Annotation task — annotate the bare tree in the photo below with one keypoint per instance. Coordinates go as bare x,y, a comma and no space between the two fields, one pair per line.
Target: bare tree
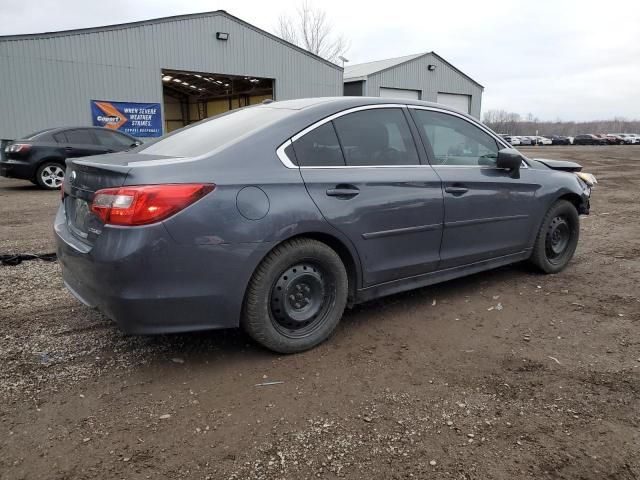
501,120
511,123
311,30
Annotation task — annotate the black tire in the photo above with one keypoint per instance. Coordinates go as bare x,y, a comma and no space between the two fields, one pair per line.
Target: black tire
50,175
557,238
296,296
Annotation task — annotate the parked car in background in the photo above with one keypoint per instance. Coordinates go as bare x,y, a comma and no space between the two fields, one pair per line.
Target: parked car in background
608,141
286,208
525,141
615,139
515,140
40,157
559,140
589,139
540,140
507,138
628,138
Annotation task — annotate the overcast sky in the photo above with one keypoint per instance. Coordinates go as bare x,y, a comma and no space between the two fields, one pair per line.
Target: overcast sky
572,60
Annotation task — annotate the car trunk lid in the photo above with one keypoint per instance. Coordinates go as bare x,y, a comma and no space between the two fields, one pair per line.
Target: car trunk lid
83,178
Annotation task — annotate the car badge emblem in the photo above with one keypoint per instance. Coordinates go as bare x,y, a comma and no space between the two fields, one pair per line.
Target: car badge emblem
72,177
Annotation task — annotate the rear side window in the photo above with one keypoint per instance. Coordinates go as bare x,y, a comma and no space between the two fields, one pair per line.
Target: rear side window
60,137
82,137
455,141
319,148
376,137
112,139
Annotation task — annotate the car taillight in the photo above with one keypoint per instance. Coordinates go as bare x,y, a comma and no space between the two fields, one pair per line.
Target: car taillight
144,204
18,148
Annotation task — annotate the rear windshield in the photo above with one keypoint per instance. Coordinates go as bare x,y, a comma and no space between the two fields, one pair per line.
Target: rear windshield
208,135
35,135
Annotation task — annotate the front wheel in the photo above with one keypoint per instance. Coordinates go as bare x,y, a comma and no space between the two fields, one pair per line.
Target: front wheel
557,238
50,175
296,296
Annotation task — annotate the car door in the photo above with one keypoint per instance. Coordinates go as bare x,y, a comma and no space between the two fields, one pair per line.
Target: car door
82,143
363,171
487,212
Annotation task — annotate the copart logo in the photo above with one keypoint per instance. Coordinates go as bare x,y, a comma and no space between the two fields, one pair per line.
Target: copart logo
108,118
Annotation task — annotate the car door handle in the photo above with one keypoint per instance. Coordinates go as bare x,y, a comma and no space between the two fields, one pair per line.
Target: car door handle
68,149
456,190
344,191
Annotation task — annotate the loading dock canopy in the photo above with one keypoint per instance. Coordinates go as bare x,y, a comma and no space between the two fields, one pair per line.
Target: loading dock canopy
193,96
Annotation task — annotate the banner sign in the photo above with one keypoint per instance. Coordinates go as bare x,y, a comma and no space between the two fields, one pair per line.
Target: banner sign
136,119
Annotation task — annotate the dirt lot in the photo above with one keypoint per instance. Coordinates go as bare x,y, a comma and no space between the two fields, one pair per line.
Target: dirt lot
503,375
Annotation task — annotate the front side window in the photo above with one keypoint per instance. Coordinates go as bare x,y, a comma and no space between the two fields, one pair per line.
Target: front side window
376,137
319,148
80,137
456,141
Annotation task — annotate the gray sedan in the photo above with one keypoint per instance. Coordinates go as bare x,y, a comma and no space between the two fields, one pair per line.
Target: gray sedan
277,217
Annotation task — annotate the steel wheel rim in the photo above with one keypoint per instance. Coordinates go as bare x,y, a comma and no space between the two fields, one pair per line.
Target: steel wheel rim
301,299
52,176
558,238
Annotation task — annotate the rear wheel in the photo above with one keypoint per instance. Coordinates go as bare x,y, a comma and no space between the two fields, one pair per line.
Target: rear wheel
296,296
50,175
557,238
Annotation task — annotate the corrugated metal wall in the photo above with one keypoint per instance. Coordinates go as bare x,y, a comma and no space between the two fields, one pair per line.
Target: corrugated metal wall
48,80
414,75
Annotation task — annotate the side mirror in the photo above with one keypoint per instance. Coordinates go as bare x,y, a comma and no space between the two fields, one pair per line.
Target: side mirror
509,159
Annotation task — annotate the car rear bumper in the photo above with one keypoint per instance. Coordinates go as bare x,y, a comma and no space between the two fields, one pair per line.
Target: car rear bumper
17,169
145,281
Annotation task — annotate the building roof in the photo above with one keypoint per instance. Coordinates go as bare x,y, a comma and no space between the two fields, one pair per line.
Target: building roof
152,21
361,71
366,69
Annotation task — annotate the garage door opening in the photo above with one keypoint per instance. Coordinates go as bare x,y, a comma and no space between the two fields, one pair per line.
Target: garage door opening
193,96
455,100
399,93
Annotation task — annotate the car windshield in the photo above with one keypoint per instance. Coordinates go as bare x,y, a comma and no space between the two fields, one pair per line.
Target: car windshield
211,134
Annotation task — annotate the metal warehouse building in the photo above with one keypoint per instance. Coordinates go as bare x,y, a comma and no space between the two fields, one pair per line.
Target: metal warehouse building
151,77
424,76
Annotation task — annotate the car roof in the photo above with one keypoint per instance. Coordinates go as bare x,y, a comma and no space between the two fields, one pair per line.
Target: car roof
85,127
349,102
48,132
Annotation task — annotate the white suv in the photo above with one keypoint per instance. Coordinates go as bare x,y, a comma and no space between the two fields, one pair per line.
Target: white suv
629,138
541,140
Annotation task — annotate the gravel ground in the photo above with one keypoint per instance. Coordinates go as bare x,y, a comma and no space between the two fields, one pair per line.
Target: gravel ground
506,374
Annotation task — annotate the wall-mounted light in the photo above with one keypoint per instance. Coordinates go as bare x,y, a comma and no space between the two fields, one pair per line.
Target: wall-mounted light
431,68
222,36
